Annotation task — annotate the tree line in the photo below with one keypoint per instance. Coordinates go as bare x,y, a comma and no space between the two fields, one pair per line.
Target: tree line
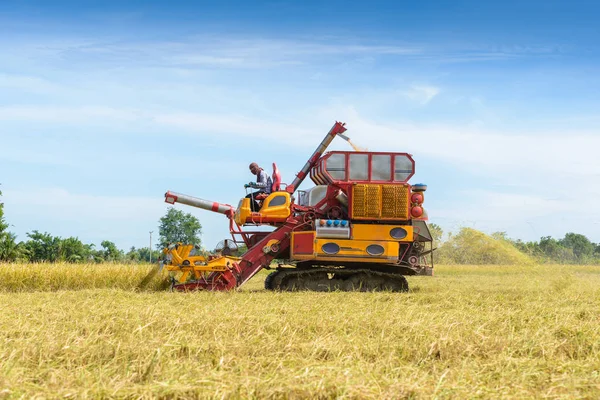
174,226
573,248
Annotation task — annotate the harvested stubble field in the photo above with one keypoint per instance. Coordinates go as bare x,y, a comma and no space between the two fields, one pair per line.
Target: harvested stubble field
469,332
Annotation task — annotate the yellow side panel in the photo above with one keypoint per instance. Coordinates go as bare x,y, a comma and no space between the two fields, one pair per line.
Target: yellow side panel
386,202
243,212
277,205
353,251
379,232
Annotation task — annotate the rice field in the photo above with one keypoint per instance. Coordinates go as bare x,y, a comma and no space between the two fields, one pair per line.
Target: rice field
88,331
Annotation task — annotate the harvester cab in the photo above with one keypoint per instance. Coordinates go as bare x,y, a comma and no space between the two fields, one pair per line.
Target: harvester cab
361,227
275,207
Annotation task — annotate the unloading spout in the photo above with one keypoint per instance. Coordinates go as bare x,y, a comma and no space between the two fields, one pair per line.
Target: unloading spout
337,129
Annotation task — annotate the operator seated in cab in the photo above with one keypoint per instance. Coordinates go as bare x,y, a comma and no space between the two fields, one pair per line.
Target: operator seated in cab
269,204
263,184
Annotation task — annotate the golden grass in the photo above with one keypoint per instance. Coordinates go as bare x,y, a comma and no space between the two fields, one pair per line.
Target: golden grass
65,276
468,332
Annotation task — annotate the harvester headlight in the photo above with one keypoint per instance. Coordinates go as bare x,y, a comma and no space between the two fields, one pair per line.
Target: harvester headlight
398,233
375,249
330,248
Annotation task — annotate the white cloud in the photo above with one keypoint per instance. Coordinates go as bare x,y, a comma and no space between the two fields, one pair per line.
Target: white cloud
422,94
189,123
126,220
66,114
201,50
498,207
521,215
64,204
507,156
16,155
27,83
240,52
239,126
245,53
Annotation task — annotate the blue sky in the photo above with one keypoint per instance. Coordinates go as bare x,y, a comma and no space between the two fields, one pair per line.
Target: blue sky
104,106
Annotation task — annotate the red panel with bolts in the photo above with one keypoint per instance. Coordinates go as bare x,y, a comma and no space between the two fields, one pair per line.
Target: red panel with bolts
304,243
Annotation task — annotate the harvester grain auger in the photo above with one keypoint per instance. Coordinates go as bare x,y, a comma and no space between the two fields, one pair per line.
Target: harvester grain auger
361,227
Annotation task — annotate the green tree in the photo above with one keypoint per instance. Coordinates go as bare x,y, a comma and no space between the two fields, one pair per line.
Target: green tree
73,250
145,254
177,226
9,249
3,223
529,248
553,250
133,255
94,255
581,245
43,247
436,233
111,252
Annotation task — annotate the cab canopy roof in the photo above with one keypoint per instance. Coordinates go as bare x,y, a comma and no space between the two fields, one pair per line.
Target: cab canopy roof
362,167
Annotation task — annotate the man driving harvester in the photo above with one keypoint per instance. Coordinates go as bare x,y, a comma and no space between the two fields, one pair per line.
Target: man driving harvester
263,184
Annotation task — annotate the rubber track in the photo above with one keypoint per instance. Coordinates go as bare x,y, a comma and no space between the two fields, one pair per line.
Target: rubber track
275,279
269,280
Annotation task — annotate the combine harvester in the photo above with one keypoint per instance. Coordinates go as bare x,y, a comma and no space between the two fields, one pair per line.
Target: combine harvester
362,227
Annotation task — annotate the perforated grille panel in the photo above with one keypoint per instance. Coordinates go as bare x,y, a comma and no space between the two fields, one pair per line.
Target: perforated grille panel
358,200
380,202
394,202
373,201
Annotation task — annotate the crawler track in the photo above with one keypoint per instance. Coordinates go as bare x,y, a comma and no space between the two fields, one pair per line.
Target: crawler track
332,279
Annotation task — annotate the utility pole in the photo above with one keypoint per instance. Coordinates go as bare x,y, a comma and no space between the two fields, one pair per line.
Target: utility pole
150,248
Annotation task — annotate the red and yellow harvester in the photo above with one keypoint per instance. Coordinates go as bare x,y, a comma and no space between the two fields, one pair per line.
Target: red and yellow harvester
361,227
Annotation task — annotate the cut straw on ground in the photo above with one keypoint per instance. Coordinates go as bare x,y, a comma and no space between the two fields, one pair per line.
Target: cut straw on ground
467,332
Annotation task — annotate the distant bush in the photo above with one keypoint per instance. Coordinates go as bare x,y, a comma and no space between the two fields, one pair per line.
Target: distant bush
470,246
